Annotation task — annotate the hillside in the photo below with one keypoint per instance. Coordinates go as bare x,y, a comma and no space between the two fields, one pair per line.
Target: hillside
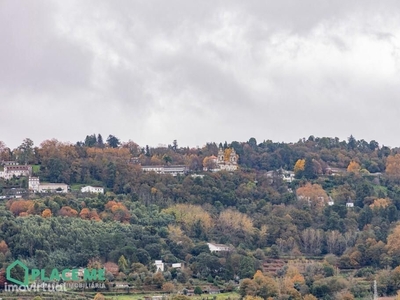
317,217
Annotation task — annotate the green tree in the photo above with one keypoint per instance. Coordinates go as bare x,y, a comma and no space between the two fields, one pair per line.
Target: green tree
25,152
309,171
167,159
198,290
100,142
158,279
90,140
113,141
122,263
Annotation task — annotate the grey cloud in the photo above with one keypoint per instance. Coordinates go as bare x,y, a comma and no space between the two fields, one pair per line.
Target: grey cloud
32,55
199,71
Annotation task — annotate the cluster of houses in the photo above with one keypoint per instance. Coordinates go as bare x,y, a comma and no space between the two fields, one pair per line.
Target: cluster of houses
285,175
330,201
13,169
37,187
160,265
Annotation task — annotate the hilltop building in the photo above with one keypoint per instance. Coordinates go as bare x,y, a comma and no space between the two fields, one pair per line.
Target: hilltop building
220,163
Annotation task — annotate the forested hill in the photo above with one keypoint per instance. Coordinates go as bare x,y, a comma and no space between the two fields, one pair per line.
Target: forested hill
339,211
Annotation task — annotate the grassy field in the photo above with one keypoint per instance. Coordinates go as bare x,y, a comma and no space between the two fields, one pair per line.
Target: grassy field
35,168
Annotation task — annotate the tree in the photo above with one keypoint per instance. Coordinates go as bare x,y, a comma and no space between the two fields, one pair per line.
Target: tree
67,211
299,168
353,167
90,140
46,213
112,268
210,162
234,222
247,287
352,142
122,263
25,152
393,243
309,170
158,279
5,153
100,142
99,297
265,286
167,159
198,290
113,141
168,287
299,165
314,194
3,247
393,166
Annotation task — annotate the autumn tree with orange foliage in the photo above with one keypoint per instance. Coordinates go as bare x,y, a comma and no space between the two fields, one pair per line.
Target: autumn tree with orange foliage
21,206
119,211
88,214
393,242
67,211
291,279
299,165
314,194
99,296
265,286
46,213
354,167
3,247
381,203
393,166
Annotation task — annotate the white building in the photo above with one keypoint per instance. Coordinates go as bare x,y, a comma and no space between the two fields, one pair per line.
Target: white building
172,170
92,189
231,164
218,247
159,266
37,187
9,163
220,163
16,170
287,176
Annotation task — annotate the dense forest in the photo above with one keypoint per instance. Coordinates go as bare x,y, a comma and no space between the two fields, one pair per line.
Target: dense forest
332,230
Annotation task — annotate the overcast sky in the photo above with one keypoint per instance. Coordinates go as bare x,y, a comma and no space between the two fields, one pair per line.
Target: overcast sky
199,71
